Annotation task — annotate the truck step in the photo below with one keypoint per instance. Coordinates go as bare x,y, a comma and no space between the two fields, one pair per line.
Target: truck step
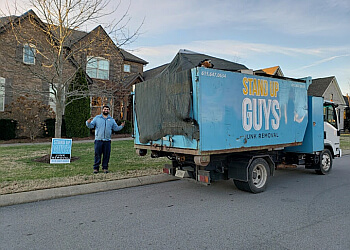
182,173
285,166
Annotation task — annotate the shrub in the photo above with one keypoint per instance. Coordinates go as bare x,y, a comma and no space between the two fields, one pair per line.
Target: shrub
8,129
127,128
30,115
78,108
49,127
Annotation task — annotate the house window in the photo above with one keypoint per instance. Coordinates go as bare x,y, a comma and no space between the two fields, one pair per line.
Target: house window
127,68
98,101
29,52
2,94
97,67
329,115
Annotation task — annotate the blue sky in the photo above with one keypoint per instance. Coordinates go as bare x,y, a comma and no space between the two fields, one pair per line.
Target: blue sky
303,37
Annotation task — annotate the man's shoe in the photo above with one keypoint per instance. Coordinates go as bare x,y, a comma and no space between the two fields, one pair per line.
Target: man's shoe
105,171
95,171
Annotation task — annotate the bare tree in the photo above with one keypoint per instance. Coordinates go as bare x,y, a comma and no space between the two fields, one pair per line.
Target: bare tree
61,52
30,115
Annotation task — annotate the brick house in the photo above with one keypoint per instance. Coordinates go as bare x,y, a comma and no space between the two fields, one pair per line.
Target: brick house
111,71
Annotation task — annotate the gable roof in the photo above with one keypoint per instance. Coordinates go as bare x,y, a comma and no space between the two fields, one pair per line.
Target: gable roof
132,58
5,20
76,36
131,79
149,74
271,70
274,71
319,86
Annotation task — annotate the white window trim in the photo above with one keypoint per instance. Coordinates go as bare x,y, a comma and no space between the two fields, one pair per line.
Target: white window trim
2,90
129,68
52,99
98,59
34,50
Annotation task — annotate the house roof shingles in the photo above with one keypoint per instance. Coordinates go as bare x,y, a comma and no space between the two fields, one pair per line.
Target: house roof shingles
271,71
77,35
131,79
5,20
132,58
319,86
149,74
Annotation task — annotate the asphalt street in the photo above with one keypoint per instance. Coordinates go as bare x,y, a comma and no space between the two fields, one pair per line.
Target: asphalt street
32,196
299,210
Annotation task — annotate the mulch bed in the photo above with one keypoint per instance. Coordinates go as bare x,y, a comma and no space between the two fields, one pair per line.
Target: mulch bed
46,159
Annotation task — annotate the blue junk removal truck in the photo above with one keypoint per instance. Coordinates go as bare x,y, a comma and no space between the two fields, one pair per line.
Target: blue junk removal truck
228,122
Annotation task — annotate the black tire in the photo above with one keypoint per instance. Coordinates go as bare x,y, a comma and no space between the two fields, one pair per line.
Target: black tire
258,176
326,162
241,185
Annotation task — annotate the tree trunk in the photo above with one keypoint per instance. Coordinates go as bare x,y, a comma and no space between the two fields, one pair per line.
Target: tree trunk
59,113
58,124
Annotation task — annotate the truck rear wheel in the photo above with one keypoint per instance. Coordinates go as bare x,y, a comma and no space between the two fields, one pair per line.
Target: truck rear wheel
326,162
258,174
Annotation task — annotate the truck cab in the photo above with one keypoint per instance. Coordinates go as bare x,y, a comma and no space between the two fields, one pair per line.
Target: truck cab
331,129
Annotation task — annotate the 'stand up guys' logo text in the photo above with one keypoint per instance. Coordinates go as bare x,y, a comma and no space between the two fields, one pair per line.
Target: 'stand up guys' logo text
254,109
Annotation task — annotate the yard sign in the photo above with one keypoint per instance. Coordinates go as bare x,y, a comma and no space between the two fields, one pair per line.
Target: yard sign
61,150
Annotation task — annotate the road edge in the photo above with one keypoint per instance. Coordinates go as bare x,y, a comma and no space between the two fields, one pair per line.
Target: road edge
60,192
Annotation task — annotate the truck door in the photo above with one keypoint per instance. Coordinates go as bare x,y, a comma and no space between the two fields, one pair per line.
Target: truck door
331,128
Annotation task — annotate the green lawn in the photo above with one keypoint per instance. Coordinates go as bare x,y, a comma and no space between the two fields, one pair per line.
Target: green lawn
345,141
20,173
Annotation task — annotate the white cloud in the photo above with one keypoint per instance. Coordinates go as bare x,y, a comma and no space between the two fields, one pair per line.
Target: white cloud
243,50
303,37
292,17
295,62
325,60
284,16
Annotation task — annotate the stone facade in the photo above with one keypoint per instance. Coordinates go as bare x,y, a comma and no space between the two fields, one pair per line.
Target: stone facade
20,78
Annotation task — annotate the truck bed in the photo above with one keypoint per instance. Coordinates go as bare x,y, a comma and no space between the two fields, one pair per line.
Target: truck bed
218,111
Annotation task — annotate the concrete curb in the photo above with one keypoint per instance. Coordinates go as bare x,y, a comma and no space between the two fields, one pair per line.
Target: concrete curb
49,143
53,193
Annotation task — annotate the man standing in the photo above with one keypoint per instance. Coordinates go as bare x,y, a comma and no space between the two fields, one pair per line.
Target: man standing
103,124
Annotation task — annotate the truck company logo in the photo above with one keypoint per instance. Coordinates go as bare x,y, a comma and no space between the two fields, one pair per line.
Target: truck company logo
254,109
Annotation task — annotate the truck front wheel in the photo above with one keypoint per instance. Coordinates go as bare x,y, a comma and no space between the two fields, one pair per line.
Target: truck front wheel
258,173
326,162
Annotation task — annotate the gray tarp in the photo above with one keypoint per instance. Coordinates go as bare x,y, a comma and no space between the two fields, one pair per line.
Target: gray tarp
163,104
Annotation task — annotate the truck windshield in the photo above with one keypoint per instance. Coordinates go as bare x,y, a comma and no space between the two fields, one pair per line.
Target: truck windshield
329,115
